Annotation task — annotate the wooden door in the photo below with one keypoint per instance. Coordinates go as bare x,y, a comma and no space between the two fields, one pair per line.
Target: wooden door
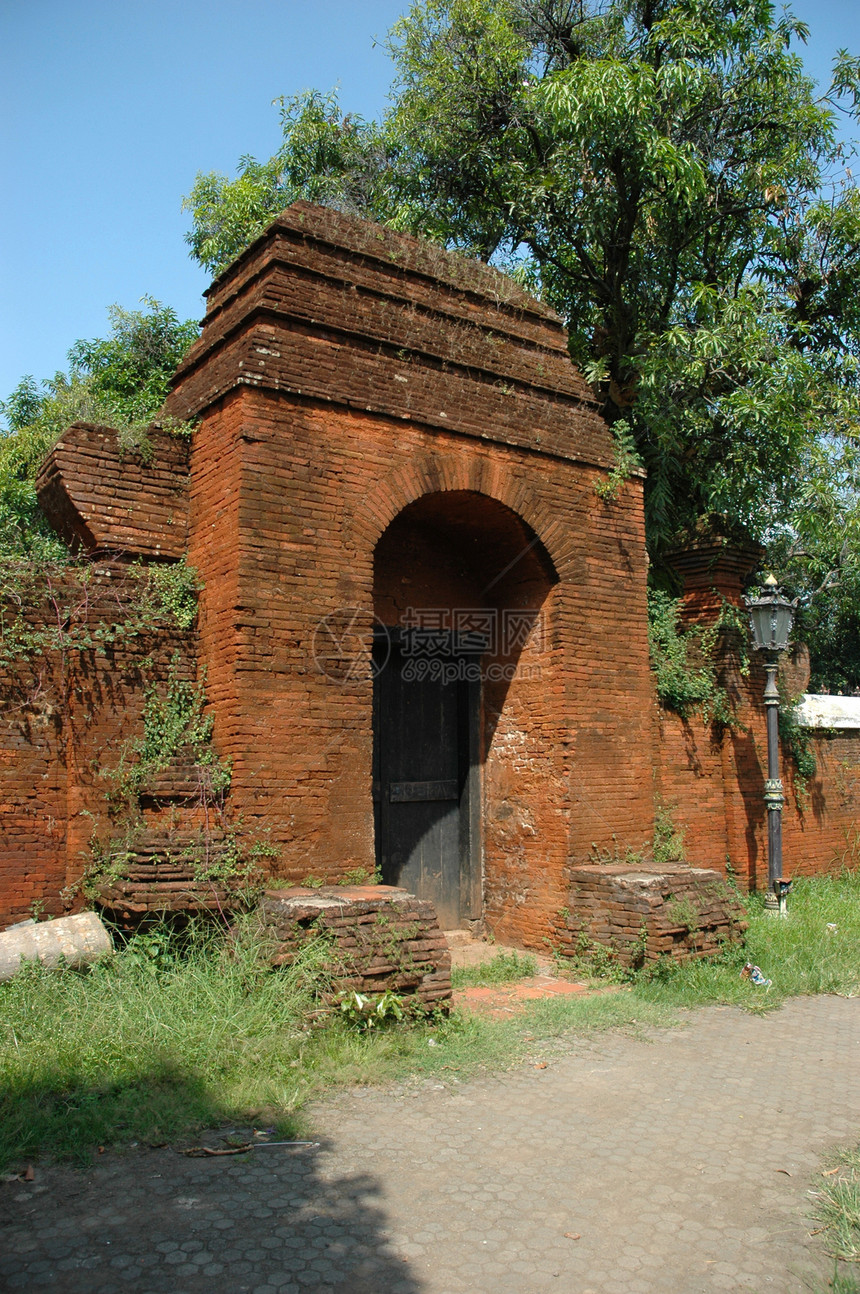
421,782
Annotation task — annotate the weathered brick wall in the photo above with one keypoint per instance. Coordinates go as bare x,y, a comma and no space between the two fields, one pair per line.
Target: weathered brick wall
384,425
107,501
713,784
67,705
712,779
33,816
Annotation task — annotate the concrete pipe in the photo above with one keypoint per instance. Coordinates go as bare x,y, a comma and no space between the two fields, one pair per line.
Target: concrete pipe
74,941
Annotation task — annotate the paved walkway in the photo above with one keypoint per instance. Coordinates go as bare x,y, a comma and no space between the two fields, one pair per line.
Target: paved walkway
670,1164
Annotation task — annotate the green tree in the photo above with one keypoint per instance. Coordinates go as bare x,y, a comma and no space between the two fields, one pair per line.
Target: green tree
327,157
664,173
121,381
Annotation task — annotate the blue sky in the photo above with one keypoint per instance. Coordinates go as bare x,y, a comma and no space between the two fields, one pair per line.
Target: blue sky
110,109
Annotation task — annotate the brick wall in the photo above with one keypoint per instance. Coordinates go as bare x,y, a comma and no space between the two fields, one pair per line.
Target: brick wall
712,779
360,395
104,500
713,783
67,706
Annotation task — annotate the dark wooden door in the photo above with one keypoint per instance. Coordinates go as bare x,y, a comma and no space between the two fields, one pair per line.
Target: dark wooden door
421,761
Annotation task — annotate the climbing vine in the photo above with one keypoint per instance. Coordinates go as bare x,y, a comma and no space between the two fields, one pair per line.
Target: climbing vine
797,743
79,606
684,662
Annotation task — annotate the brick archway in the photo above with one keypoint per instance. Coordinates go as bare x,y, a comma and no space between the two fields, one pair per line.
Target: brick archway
488,475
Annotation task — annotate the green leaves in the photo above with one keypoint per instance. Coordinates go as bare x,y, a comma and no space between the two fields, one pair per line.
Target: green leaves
683,663
326,156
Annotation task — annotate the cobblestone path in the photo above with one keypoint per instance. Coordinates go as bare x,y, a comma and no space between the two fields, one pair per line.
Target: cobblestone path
673,1163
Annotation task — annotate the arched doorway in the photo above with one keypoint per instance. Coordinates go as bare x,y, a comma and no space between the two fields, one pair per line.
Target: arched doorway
460,581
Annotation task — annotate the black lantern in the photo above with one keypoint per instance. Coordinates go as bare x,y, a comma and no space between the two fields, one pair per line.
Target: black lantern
771,619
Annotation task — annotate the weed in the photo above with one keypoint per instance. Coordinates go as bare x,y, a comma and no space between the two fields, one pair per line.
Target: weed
615,855
591,959
627,461
668,844
504,968
684,662
370,1010
357,876
836,1205
683,912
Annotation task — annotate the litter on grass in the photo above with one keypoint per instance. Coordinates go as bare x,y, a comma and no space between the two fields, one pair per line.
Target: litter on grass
755,975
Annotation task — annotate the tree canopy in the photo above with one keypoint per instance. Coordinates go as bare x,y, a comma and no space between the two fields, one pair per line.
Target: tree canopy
120,380
665,174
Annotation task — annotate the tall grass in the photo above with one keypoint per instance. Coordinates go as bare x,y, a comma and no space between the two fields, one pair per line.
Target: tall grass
836,1205
170,1033
815,950
504,968
173,1034
176,1033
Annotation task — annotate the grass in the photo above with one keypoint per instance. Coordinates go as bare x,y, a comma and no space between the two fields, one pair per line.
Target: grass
504,968
175,1034
801,955
837,1205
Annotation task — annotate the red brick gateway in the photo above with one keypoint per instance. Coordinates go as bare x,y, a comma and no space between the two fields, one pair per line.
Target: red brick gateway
422,630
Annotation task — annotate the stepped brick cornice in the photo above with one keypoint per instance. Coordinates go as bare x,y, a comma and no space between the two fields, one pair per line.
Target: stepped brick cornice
431,338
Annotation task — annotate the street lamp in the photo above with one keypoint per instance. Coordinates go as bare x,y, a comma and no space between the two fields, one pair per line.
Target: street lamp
771,618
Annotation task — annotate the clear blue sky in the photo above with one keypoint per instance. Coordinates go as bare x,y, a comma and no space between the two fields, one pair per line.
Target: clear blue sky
109,110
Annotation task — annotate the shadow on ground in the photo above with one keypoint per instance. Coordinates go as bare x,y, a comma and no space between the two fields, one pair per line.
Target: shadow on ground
156,1220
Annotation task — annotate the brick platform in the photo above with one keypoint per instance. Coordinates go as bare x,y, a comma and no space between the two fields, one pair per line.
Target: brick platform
642,914
383,938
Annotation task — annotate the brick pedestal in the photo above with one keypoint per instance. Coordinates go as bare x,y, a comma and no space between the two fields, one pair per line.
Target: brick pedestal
642,914
382,938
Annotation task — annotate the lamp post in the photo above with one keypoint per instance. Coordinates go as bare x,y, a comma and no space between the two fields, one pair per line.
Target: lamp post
771,618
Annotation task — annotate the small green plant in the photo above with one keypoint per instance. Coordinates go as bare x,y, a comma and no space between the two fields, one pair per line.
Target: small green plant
594,960
358,876
668,844
684,913
174,588
313,882
369,1011
627,461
